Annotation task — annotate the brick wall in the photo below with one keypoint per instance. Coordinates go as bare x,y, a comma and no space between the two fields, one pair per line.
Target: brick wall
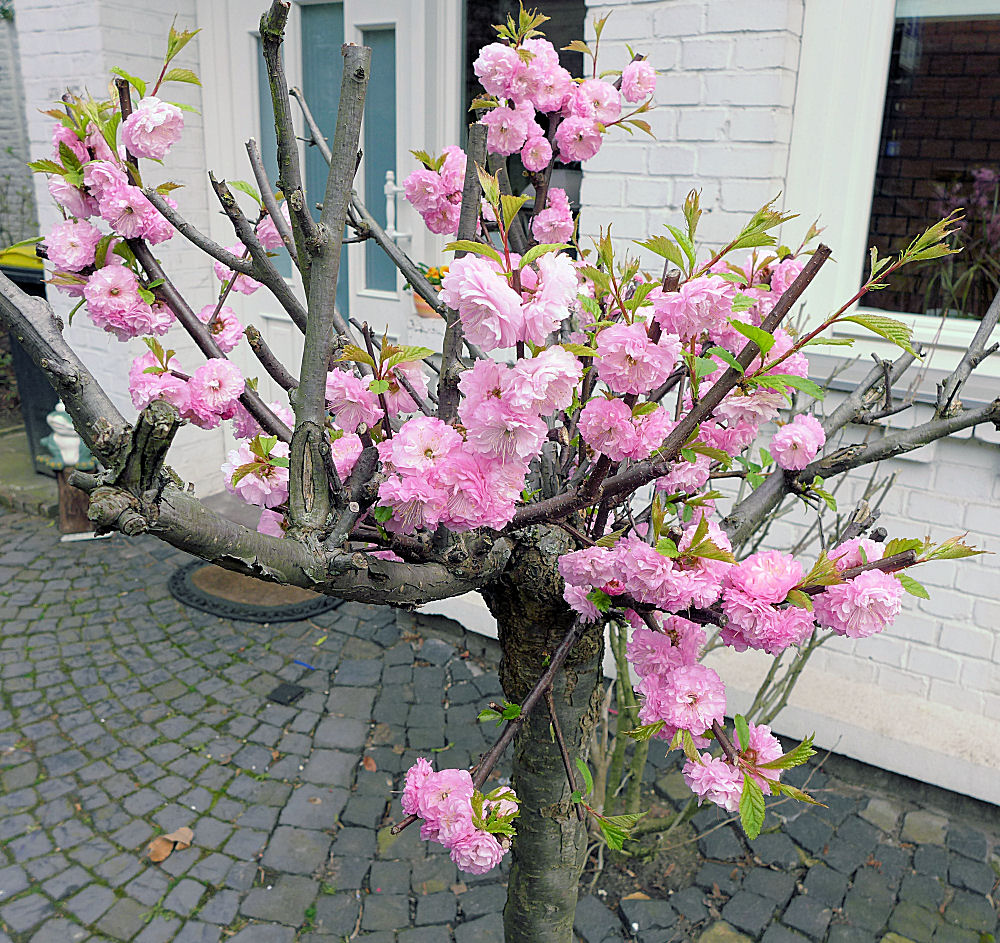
17,203
723,118
941,122
93,36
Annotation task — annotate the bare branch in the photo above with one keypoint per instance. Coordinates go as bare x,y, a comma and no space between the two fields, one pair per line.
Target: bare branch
263,268
640,473
326,329
975,355
274,367
270,203
96,418
316,137
195,236
448,380
191,323
272,34
519,241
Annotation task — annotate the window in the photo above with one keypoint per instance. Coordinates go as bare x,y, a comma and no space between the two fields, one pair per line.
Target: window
939,150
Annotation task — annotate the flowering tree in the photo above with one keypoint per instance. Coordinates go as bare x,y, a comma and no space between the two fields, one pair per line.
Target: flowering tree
562,462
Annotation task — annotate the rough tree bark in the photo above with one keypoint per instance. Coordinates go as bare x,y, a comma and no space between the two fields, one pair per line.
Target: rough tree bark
551,845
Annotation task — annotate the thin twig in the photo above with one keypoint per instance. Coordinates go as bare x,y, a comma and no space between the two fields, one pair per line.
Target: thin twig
274,367
270,203
567,762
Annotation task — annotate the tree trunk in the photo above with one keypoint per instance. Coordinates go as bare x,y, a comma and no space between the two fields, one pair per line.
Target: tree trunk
550,848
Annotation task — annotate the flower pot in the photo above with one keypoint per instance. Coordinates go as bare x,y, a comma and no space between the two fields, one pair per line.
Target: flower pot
423,308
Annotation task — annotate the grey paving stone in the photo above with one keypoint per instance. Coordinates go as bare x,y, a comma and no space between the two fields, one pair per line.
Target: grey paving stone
385,912
13,880
865,912
809,915
63,884
484,899
776,849
913,922
26,912
337,914
642,915
436,908
420,935
90,904
159,930
968,842
330,768
432,875
748,912
924,827
124,920
312,806
826,885
359,842
358,673
774,885
184,897
922,889
195,931
726,878
721,844
58,930
484,930
929,859
690,904
971,911
284,902
810,831
594,923
343,733
971,875
245,844
296,850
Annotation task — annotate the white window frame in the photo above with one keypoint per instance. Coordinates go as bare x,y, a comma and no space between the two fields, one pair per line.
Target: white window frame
839,103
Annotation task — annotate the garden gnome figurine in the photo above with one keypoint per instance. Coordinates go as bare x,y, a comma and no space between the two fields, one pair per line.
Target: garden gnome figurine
64,444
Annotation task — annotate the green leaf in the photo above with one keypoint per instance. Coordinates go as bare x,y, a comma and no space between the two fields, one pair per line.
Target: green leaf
795,757
246,188
181,75
407,354
684,241
578,45
823,573
795,793
665,248
667,547
751,807
491,188
742,731
581,350
761,338
830,342
469,245
799,599
953,549
587,777
354,354
34,240
742,302
644,409
889,328
132,80
912,586
616,828
487,713
382,514
46,167
703,366
509,206
717,455
902,544
538,251
645,732
379,386
725,356
600,599
177,40
804,385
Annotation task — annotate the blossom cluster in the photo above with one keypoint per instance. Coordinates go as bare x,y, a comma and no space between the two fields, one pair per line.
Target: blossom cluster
436,191
474,828
719,780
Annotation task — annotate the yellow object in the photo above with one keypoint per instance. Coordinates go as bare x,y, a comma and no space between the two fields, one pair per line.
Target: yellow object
21,257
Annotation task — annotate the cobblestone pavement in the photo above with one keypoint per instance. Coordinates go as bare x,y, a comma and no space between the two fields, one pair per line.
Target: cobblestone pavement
124,715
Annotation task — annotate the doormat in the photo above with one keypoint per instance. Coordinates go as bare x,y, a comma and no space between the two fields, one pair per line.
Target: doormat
230,595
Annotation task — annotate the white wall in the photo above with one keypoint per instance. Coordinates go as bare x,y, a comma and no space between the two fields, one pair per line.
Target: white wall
16,191
92,37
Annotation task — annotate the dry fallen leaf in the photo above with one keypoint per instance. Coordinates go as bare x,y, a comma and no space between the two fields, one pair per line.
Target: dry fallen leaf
460,888
636,895
161,847
314,800
369,764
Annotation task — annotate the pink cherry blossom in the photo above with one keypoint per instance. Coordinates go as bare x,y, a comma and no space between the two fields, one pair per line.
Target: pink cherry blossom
578,139
213,393
63,135
507,434
415,503
603,97
629,362
767,575
507,128
266,485
606,426
715,780
554,224
350,401
244,284
691,697
798,442
346,450
75,201
267,231
495,68
638,81
544,383
536,153
423,445
860,607
225,327
477,853
694,308
424,189
145,386
100,176
489,308
153,128
416,776
856,551
71,245
271,523
397,397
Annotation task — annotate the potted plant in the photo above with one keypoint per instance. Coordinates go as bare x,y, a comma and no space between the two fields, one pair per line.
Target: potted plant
433,274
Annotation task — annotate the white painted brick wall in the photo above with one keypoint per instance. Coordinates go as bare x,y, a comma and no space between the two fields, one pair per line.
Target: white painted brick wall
17,204
94,36
723,120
